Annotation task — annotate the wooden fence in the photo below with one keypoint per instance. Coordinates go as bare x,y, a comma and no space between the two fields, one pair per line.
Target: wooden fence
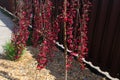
104,36
103,33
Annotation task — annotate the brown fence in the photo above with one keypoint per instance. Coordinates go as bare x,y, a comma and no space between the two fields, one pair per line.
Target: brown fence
104,34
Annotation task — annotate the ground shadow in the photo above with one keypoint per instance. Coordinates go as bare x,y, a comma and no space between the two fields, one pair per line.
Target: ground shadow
75,73
56,67
7,76
2,56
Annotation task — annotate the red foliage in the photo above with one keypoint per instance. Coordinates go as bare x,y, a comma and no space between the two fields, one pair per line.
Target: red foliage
43,28
21,33
76,19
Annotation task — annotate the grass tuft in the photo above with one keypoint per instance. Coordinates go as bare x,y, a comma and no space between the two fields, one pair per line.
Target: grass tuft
10,51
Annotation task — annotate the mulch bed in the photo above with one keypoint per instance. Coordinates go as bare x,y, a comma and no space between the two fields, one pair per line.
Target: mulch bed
25,69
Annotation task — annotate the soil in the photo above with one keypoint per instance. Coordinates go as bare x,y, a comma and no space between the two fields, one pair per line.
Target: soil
25,69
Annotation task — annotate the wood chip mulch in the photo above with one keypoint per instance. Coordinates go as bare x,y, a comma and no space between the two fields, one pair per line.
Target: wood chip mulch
25,69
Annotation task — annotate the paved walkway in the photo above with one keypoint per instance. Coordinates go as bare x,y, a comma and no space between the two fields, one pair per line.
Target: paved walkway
6,26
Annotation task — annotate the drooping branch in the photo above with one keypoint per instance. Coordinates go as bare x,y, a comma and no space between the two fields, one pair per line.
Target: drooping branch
21,32
48,31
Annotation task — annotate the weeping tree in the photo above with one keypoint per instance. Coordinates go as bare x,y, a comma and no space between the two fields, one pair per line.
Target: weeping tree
71,18
21,33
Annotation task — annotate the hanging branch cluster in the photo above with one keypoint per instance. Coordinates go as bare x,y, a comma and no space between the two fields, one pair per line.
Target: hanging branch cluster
21,33
83,39
73,16
43,28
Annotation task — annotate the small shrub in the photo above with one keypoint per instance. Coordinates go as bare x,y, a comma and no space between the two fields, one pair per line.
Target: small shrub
10,51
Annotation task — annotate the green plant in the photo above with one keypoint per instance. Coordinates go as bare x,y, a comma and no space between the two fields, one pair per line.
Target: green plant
10,51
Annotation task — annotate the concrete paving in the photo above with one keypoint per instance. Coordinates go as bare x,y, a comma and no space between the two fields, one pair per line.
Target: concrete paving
6,26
